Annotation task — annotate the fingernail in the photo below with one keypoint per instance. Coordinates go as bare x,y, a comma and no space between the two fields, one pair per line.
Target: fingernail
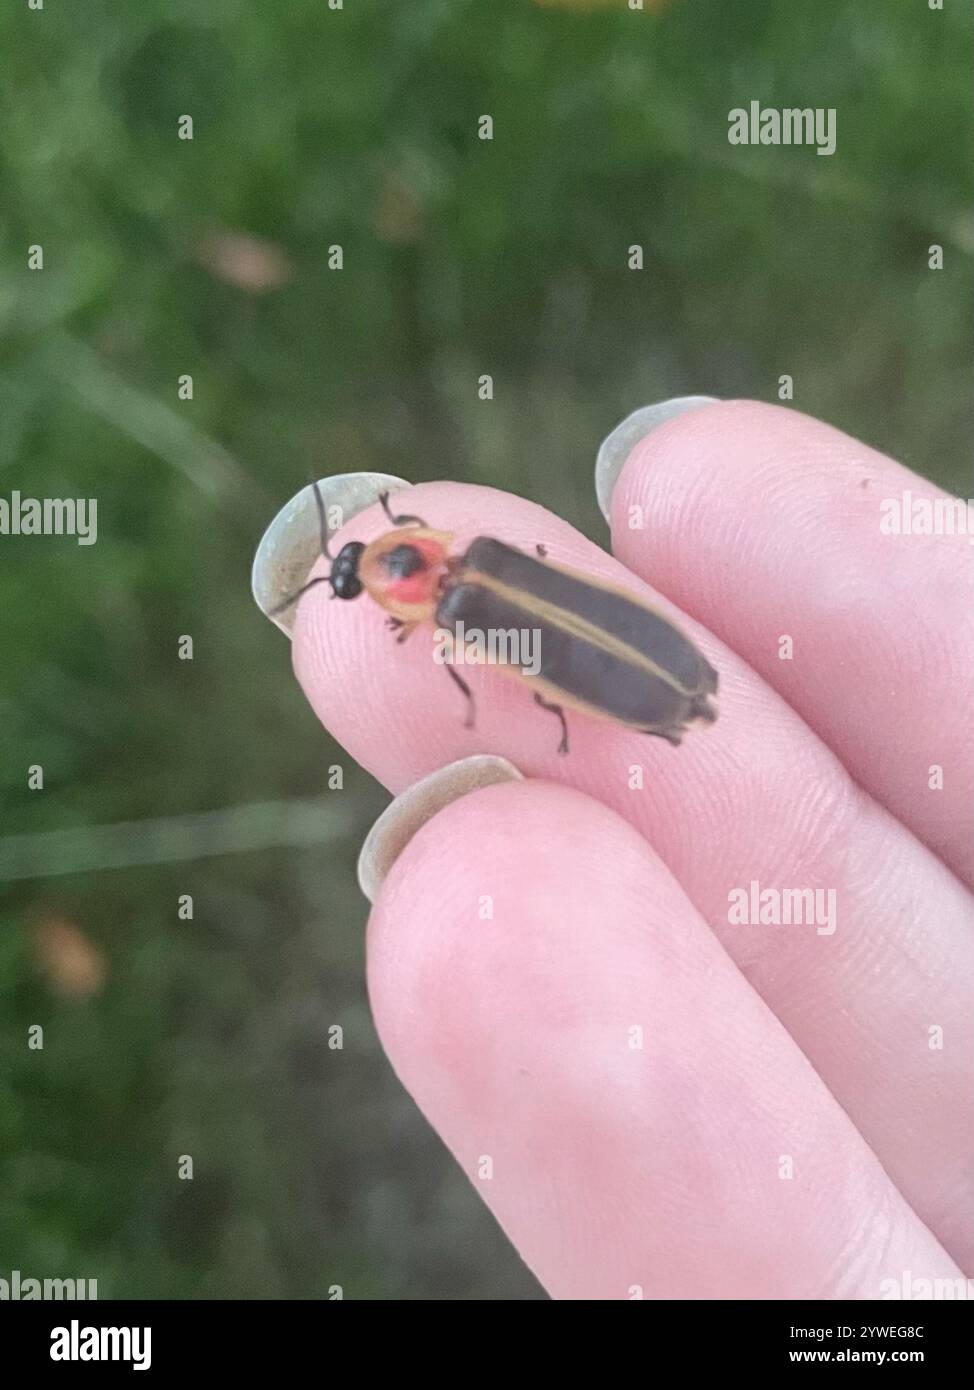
292,543
419,803
617,447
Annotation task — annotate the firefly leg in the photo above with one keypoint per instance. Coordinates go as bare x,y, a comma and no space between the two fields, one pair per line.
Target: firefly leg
556,709
293,598
458,680
399,520
674,736
402,628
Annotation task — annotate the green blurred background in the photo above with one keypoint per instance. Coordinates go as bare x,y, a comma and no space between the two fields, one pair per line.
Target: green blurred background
161,257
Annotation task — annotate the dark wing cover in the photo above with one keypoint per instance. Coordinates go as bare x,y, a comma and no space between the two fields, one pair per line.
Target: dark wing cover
580,669
627,620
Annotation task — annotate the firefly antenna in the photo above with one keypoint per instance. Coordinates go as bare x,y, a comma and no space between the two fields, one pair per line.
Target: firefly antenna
323,540
322,522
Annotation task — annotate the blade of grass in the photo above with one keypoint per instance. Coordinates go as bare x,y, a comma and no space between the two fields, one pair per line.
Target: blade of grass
151,423
257,826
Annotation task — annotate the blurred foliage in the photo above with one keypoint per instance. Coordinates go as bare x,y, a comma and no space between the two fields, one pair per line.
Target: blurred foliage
358,126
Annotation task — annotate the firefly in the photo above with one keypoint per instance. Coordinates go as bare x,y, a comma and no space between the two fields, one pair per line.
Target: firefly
604,652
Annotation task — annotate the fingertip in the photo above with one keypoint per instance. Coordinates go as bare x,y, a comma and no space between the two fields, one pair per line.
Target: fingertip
688,437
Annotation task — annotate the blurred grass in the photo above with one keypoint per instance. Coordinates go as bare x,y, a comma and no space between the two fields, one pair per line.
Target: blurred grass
358,127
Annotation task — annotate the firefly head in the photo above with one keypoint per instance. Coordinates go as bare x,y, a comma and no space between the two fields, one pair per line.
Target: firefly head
344,578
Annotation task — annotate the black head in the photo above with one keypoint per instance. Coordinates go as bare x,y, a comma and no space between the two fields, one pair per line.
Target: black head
344,578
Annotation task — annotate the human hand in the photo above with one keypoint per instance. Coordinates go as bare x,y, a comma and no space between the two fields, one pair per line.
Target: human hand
655,1099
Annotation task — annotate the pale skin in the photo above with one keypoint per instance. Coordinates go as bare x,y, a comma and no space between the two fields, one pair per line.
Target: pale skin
673,1105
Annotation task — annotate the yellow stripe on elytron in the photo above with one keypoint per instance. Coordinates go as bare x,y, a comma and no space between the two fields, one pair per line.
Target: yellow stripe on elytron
578,627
